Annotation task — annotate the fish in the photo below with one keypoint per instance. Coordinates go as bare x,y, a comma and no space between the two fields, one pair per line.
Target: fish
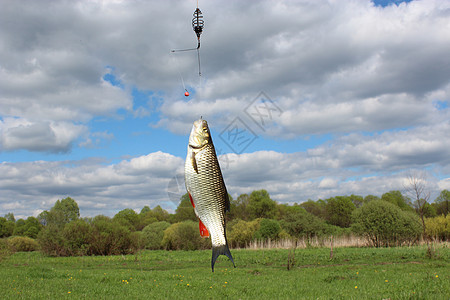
206,189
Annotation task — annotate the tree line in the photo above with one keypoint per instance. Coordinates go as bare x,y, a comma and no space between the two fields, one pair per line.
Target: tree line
390,220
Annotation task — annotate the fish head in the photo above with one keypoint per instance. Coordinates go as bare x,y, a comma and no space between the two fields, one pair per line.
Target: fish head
200,135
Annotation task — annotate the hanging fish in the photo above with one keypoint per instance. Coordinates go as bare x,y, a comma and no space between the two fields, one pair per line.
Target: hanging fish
206,189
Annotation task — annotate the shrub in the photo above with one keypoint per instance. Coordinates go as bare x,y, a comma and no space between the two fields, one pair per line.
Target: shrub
109,237
4,249
22,244
153,235
385,224
438,227
184,236
51,241
299,223
240,233
77,235
268,229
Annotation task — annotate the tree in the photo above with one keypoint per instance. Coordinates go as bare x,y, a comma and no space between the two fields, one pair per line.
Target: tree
6,227
43,217
261,206
238,208
10,217
384,224
357,200
145,210
240,233
64,211
146,219
299,223
369,198
153,234
160,213
19,228
184,236
316,208
417,189
443,203
29,227
268,229
185,210
128,218
339,211
396,198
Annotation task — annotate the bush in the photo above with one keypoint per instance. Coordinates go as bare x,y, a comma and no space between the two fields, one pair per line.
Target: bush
153,235
298,223
240,233
51,241
109,237
77,235
22,244
438,227
385,224
4,249
268,229
184,236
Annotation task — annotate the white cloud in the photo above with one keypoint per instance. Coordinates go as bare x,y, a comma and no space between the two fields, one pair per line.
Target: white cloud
376,80
97,188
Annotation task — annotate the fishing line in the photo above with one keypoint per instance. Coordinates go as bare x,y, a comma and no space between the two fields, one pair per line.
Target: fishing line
179,73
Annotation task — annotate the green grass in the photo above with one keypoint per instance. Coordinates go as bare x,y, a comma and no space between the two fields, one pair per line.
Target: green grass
354,273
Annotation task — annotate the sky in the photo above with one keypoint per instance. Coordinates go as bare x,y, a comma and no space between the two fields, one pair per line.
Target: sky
306,99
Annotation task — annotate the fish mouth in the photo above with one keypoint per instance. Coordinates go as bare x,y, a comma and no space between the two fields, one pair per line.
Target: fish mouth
197,147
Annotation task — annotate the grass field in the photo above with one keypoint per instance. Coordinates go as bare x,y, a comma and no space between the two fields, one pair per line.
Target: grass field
353,273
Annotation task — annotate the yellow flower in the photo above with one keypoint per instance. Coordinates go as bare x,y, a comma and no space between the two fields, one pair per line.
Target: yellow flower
386,280
437,276
226,282
187,284
356,286
68,292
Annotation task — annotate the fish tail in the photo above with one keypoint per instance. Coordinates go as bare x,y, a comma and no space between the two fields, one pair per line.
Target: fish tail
221,250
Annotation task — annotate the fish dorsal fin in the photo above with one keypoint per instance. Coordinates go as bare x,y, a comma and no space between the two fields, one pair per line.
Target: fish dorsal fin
203,230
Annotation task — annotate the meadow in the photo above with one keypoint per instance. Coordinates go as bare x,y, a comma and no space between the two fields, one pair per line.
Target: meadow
353,273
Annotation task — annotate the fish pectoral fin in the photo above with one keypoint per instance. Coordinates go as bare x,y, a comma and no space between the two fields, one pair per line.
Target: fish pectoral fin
203,230
194,162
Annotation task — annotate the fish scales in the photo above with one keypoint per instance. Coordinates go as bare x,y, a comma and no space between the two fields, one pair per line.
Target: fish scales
205,185
208,191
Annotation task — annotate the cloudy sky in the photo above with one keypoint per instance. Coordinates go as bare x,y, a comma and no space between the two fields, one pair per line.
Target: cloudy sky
307,99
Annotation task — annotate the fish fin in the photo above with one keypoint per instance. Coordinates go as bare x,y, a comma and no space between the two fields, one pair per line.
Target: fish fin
227,201
194,162
203,230
193,204
192,201
221,250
